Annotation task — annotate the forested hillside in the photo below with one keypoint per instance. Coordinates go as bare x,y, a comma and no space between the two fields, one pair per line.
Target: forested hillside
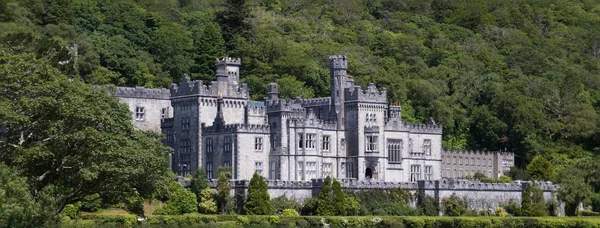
521,76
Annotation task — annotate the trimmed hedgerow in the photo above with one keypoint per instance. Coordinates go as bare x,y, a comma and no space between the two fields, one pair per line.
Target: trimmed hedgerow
215,221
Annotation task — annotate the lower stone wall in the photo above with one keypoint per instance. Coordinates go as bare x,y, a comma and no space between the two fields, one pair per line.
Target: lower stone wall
480,196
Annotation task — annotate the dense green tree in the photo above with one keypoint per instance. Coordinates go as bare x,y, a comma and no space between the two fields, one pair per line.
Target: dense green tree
532,201
325,204
224,199
78,139
281,203
540,169
208,46
258,201
17,207
573,191
207,203
199,182
454,206
179,201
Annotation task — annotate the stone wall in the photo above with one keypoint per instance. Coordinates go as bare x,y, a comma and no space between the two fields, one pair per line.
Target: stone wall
480,196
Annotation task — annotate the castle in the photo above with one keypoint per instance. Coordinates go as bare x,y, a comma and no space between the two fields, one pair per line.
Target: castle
352,134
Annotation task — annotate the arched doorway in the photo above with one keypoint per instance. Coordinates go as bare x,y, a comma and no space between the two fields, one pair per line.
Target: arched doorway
369,173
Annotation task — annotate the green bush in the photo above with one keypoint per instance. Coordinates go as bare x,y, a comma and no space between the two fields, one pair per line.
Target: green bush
513,209
588,213
310,206
290,213
91,203
70,211
454,206
595,202
282,202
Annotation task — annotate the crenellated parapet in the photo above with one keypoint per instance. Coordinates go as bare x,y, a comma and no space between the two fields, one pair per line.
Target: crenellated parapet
141,92
475,152
311,121
371,94
256,108
188,87
413,128
236,128
283,105
322,101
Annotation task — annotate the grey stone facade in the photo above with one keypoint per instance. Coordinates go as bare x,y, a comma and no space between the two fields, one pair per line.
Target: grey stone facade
459,163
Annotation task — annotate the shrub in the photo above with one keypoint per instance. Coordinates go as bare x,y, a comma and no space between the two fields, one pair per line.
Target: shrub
91,203
595,201
428,206
70,211
207,204
258,201
588,213
513,209
289,213
310,206
501,212
282,202
454,206
180,201
134,203
533,203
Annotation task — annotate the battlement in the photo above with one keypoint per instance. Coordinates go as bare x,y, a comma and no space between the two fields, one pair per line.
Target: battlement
321,101
142,92
197,87
338,62
413,128
237,128
256,108
228,61
371,94
283,105
452,151
313,123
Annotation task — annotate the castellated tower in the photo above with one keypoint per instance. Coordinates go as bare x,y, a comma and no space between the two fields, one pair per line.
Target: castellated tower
228,70
338,66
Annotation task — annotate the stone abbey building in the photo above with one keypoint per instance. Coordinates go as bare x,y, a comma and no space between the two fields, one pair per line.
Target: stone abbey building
352,134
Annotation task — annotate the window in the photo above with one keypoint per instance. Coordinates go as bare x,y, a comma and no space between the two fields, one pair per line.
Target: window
272,167
428,172
448,173
301,170
326,170
394,147
415,173
227,144
300,141
371,144
258,144
427,146
325,143
349,170
460,160
164,113
209,145
507,163
310,141
185,123
472,161
139,113
227,164
454,160
258,168
186,146
311,170
209,171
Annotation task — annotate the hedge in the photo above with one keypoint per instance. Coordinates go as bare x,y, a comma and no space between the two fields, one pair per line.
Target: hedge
213,221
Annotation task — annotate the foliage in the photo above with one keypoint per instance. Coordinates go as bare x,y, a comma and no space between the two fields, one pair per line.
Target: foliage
134,203
540,169
289,213
199,182
427,205
281,203
17,207
71,136
532,201
574,190
310,206
325,204
224,199
596,202
479,175
384,202
179,201
363,221
258,201
454,206
513,208
207,203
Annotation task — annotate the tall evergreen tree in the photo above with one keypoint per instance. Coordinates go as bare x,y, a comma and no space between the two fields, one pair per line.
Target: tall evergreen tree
199,182
325,205
208,46
224,199
234,22
258,201
532,201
